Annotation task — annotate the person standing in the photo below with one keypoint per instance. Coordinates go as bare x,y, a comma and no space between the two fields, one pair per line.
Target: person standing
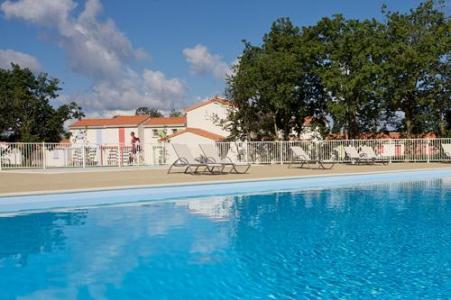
135,141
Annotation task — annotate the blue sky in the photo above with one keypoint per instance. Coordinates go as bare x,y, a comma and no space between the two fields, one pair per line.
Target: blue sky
113,56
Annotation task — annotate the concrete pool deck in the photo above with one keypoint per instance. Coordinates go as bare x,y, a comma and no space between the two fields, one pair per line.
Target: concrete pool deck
26,181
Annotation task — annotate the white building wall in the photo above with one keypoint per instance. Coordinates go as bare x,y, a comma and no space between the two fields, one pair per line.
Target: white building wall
148,133
107,135
110,135
206,117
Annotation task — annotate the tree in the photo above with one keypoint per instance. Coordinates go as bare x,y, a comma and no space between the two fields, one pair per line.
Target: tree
364,75
350,70
148,111
175,113
417,67
273,86
26,114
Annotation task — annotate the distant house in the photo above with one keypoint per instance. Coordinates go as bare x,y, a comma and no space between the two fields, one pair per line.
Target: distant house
203,123
383,135
114,130
309,131
157,128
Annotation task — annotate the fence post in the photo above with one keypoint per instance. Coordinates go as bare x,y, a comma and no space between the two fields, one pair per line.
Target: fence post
428,150
281,152
247,151
83,156
119,156
43,156
317,155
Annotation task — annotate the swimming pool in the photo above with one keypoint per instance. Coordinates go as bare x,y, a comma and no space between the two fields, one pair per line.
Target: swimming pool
385,240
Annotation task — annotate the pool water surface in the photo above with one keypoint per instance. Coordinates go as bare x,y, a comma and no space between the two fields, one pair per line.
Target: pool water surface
371,241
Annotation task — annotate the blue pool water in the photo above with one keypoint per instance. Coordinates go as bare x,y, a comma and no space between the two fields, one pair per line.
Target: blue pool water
376,241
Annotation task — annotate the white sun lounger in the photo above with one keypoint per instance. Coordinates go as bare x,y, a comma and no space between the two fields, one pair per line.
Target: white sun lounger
370,155
354,155
186,159
300,156
447,149
211,154
367,155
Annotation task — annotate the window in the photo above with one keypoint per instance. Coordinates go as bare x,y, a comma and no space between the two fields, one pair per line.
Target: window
155,132
174,131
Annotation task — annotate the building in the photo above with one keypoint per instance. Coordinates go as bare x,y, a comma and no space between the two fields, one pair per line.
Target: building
203,123
114,130
156,129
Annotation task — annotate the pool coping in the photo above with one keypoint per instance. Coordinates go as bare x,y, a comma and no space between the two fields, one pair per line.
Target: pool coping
141,195
209,182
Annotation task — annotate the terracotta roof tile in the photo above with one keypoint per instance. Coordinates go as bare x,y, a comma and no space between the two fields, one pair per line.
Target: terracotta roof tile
176,121
197,131
219,100
115,121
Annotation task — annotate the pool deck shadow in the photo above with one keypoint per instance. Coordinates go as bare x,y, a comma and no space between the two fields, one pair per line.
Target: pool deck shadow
18,182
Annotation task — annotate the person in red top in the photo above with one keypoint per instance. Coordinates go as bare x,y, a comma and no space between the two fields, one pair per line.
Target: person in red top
135,146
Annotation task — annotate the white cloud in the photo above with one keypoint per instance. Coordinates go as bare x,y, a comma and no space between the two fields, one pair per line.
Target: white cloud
203,62
96,48
42,12
93,47
151,88
8,56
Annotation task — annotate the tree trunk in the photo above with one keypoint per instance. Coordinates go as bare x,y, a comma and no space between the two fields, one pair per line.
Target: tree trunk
441,126
409,117
408,125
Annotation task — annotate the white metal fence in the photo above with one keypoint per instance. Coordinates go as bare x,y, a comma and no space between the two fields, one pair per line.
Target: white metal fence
53,155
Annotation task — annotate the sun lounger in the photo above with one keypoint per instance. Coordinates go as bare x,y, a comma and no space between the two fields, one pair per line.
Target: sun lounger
447,149
366,155
299,156
186,159
370,155
211,154
354,155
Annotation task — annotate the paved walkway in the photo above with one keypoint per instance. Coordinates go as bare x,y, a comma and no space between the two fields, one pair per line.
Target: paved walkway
57,180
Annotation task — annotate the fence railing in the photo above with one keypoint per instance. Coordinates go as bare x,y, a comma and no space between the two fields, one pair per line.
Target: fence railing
53,155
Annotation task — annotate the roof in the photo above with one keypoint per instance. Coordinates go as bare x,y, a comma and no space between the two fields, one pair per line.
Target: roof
174,121
382,135
308,121
65,141
115,121
218,100
367,135
197,131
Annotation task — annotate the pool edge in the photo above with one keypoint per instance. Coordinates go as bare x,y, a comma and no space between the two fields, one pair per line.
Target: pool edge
207,183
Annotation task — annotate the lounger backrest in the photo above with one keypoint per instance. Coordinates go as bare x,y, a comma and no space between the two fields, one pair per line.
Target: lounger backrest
368,151
299,152
447,149
210,151
182,151
351,152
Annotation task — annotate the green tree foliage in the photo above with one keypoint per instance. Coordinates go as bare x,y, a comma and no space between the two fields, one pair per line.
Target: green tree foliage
350,72
361,75
273,84
148,111
26,114
417,67
175,113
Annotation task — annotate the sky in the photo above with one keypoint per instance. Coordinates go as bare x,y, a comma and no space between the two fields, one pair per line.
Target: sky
114,56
